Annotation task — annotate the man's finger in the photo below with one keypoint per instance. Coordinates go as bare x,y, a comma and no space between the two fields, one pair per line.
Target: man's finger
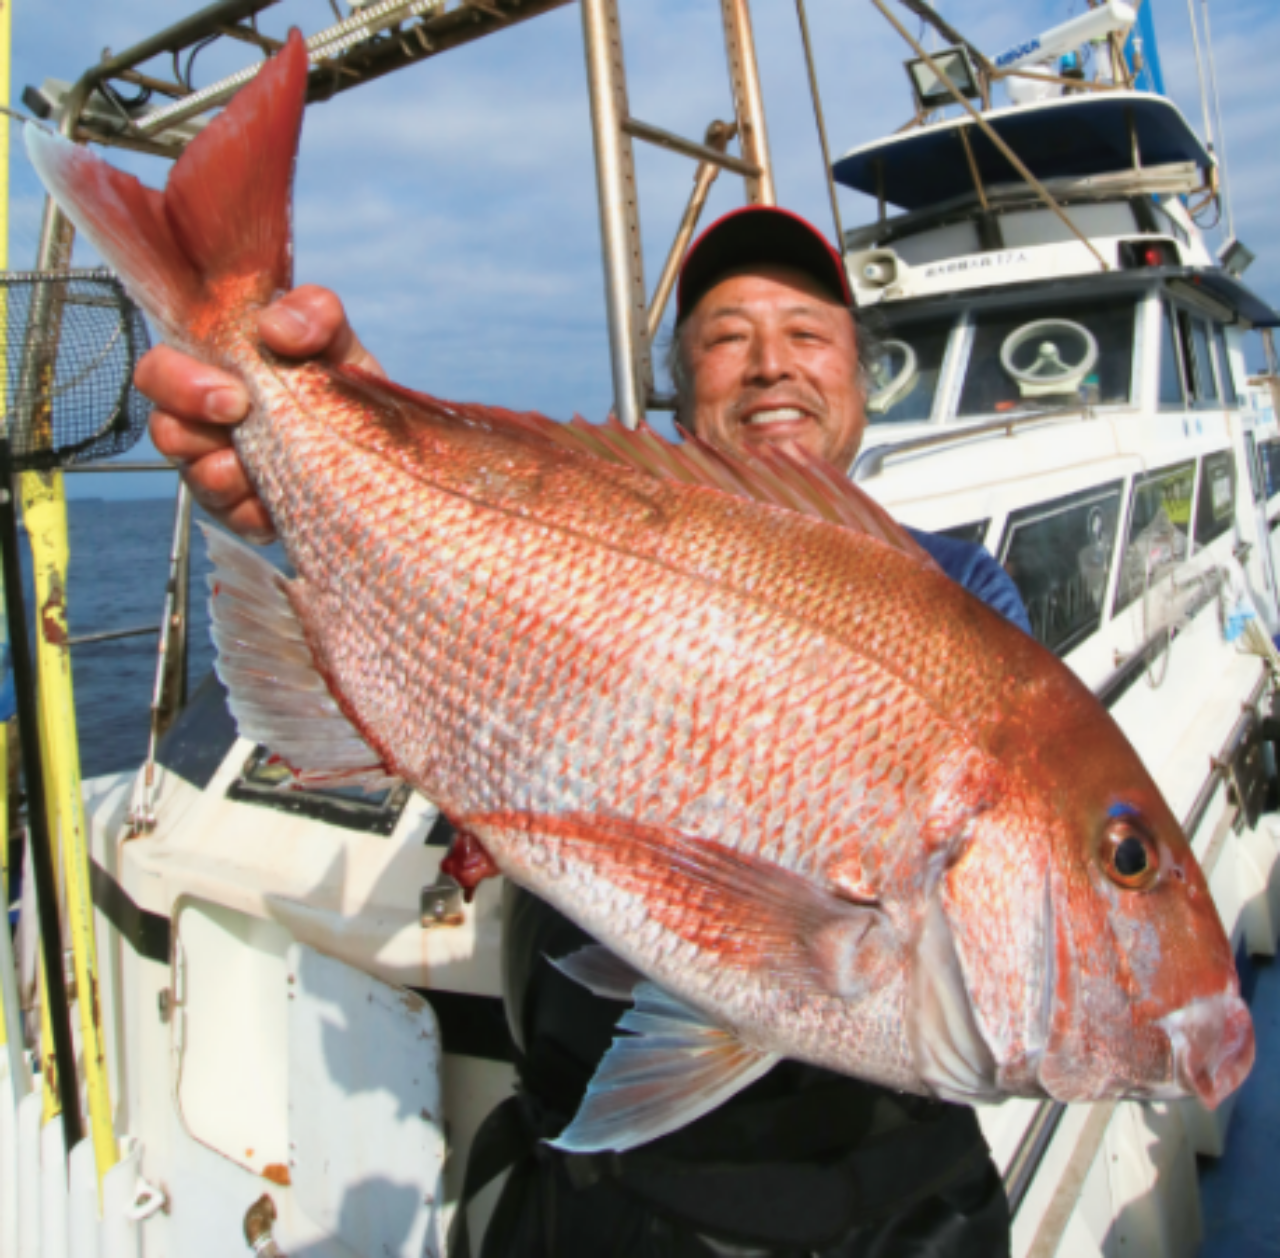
190,390
249,519
218,481
310,322
185,440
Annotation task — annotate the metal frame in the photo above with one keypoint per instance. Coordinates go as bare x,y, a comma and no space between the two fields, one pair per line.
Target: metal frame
633,320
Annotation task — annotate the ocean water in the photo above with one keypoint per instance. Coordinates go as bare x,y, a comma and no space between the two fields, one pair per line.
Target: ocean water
119,566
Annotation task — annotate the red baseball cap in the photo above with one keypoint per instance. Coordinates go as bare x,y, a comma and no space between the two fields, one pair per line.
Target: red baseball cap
759,233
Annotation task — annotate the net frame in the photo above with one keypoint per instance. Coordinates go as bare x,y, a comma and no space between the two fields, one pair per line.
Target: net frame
71,341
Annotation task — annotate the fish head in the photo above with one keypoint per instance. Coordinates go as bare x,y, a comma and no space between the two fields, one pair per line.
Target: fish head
1094,957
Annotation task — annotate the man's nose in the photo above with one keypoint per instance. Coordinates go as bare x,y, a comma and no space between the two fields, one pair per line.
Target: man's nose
770,359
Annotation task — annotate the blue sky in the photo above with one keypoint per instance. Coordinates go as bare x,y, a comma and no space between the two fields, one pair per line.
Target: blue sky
453,204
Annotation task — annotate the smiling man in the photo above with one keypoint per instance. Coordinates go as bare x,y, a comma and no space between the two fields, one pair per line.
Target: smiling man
803,1162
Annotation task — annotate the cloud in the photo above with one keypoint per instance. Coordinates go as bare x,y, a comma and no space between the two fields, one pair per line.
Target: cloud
453,204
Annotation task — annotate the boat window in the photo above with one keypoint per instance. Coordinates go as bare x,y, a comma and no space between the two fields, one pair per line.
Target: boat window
1216,507
1159,529
1039,226
955,240
975,533
904,372
1045,357
1172,389
1269,456
1229,394
1206,387
1059,555
1256,482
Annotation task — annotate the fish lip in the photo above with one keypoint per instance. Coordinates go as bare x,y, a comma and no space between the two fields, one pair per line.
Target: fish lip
1213,1046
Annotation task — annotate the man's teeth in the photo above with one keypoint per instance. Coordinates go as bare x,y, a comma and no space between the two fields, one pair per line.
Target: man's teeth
780,415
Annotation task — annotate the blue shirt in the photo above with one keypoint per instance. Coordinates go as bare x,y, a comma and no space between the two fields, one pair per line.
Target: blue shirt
974,568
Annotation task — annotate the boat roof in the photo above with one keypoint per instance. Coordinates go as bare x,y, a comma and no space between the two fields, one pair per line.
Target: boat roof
1071,136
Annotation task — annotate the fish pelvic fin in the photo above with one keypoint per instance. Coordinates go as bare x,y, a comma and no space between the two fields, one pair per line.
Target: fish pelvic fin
794,480
673,1067
218,236
277,693
601,972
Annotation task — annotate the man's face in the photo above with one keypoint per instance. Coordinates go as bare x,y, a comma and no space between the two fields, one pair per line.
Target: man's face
772,358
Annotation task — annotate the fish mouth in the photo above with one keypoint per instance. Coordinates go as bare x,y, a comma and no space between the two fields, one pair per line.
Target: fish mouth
1213,1046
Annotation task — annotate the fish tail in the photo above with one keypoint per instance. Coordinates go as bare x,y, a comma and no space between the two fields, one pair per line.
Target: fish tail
218,237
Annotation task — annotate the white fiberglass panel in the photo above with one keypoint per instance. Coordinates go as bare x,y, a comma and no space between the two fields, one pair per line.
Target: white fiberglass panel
366,1141
229,1035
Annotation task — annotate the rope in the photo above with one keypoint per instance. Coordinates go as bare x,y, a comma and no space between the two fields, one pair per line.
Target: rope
1222,133
1204,94
822,127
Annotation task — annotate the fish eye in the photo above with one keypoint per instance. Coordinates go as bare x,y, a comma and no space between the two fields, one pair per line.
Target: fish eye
1130,857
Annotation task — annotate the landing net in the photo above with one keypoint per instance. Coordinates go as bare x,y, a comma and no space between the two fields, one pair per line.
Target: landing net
70,344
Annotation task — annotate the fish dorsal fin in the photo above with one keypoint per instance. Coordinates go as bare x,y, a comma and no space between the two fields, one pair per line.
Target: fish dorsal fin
673,1068
792,479
276,693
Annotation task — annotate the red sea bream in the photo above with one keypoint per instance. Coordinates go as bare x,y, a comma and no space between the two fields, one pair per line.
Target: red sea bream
815,799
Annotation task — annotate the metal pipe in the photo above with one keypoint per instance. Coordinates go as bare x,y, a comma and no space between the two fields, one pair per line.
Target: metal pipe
870,462
973,170
122,466
748,102
329,42
112,635
690,148
179,35
1014,160
619,211
822,126
718,136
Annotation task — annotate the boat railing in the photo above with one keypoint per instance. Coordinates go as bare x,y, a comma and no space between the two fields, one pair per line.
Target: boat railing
873,458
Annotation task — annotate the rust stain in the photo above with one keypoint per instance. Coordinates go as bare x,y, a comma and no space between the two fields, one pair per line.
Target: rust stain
277,1173
248,1153
53,615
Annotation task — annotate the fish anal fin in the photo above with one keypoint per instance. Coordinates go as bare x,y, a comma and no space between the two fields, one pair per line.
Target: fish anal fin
673,1067
276,692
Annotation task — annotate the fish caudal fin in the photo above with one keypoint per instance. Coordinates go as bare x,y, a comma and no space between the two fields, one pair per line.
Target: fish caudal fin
277,695
673,1068
218,236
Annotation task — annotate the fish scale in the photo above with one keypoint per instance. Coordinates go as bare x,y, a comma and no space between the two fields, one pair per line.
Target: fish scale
816,799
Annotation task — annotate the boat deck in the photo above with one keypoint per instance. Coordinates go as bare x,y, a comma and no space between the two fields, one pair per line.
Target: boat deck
1240,1192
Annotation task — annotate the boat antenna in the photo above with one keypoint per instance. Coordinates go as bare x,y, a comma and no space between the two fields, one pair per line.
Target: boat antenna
822,126
1222,132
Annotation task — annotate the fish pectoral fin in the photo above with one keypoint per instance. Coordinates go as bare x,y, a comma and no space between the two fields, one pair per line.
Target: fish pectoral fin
275,691
737,909
674,1068
601,972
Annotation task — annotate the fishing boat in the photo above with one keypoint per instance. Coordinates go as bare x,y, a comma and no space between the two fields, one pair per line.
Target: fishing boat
290,1022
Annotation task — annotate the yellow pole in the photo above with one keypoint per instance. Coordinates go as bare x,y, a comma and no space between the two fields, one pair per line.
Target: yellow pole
44,513
9,1017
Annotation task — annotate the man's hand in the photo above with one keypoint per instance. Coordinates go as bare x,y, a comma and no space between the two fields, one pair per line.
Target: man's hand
198,406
